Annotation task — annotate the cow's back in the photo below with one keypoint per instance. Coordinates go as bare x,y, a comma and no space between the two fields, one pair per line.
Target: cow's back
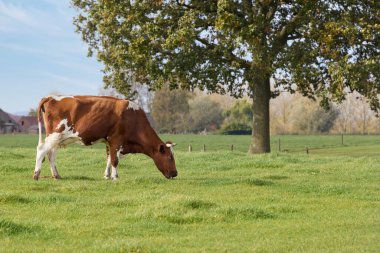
91,117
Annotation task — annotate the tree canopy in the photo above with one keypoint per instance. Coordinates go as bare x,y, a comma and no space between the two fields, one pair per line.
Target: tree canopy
323,48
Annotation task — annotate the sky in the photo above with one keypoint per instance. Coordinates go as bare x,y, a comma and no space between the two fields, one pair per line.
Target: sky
40,53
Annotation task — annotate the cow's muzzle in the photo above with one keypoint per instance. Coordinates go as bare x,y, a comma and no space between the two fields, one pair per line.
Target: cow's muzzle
171,175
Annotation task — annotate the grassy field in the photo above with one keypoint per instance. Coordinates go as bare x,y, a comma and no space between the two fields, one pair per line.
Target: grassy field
222,201
353,145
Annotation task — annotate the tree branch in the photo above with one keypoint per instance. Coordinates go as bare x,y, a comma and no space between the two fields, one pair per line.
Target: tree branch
182,3
270,14
247,5
207,7
230,55
283,35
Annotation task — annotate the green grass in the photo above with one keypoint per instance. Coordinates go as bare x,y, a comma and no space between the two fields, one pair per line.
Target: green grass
222,201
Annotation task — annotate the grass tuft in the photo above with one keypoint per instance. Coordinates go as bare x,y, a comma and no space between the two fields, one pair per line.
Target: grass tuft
198,204
51,199
247,213
276,177
13,199
181,220
10,228
258,182
137,249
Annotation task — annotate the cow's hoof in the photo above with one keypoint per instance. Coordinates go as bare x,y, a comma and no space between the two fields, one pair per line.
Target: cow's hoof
107,177
114,178
36,175
57,177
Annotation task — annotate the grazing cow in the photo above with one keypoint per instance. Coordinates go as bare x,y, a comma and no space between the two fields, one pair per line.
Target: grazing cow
119,123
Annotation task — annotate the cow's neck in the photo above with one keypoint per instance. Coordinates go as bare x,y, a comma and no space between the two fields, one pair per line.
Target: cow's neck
146,142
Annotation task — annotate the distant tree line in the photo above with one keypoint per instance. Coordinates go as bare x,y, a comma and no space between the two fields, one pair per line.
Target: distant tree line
178,111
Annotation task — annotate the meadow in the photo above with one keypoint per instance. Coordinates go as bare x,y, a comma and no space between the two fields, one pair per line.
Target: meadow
222,200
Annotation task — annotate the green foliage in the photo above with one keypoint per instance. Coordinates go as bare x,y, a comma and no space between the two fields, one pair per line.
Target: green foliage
238,119
322,46
222,201
205,114
32,112
170,110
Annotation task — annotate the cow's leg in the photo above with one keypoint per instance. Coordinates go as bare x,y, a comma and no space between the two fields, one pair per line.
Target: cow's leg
52,141
52,155
107,172
114,161
42,150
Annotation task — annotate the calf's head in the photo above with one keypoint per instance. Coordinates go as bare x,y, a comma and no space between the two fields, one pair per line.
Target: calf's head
164,160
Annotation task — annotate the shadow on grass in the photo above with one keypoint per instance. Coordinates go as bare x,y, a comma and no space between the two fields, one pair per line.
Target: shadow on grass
258,182
248,213
149,180
209,181
70,178
52,199
11,155
81,178
122,203
228,181
198,204
180,220
13,199
11,228
276,177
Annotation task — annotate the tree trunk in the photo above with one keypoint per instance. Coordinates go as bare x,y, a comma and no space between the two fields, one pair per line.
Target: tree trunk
260,128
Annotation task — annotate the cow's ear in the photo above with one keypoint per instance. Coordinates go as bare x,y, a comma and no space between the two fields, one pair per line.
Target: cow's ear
162,148
170,144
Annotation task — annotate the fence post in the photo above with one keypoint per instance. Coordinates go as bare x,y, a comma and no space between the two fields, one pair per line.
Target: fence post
307,150
232,147
279,144
342,139
204,147
190,148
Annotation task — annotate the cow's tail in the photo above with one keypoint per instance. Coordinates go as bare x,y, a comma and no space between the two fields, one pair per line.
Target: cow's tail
40,109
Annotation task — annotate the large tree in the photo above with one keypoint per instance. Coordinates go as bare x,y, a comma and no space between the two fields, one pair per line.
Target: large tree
320,48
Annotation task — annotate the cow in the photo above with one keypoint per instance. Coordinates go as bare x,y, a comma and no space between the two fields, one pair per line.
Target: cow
120,124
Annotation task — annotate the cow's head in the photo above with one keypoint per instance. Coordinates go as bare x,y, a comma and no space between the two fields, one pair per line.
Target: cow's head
164,160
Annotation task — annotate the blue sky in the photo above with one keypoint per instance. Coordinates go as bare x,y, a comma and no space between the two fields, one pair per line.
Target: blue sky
40,53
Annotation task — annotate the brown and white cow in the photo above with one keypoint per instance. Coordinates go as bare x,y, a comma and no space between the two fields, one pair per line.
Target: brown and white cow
119,123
